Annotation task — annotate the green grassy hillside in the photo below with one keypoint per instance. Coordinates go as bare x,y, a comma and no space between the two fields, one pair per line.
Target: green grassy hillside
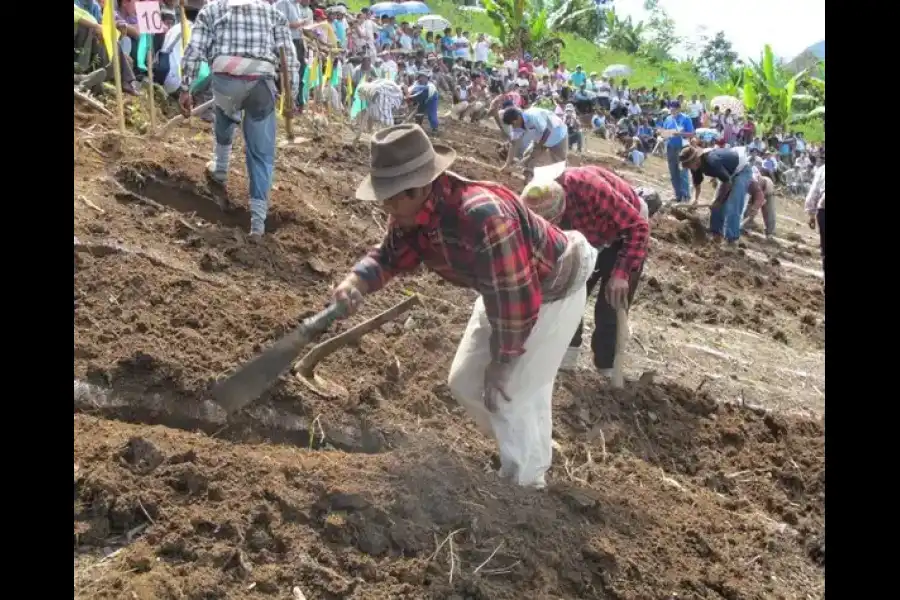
679,79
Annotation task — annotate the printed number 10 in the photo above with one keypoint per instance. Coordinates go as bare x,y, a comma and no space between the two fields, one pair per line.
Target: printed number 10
152,21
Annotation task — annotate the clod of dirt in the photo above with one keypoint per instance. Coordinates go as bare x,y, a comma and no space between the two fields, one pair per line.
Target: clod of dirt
213,263
780,336
141,456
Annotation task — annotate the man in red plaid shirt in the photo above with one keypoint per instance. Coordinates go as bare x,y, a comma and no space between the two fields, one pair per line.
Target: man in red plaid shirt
531,277
613,217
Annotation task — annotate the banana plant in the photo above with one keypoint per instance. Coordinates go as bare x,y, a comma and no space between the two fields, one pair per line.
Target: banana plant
771,94
579,17
622,34
521,26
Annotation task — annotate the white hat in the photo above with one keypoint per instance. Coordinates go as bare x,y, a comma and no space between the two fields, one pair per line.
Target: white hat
548,172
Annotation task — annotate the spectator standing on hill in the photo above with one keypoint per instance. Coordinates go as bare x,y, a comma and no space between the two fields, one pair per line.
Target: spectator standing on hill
573,125
603,93
612,216
482,51
530,275
241,40
678,122
815,203
578,78
695,110
291,11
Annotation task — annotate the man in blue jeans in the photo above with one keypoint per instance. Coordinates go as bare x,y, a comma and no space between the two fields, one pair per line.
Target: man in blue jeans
681,124
242,85
731,166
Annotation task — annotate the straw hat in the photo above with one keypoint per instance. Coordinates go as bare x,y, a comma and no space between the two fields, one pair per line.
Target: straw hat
689,154
543,194
402,158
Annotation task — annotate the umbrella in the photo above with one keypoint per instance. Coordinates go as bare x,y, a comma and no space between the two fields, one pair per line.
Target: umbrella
392,9
726,102
707,134
617,71
433,23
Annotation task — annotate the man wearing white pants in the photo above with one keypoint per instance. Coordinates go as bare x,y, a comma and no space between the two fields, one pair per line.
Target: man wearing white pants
523,426
531,277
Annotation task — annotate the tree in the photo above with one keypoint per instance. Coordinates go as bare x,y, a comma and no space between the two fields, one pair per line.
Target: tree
717,57
771,93
661,39
522,26
584,18
622,34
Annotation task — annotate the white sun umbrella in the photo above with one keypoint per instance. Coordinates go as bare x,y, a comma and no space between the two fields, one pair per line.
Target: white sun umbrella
617,71
433,23
726,102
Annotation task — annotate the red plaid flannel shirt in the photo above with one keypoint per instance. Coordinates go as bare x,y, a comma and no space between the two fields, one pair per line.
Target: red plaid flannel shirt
604,207
477,235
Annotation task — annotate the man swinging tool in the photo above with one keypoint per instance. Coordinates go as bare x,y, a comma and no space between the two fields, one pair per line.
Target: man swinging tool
613,217
531,277
241,40
424,95
537,135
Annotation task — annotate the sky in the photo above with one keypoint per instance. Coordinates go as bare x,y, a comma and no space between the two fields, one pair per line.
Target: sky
789,26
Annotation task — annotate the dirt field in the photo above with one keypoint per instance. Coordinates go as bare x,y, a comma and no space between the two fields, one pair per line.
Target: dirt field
703,480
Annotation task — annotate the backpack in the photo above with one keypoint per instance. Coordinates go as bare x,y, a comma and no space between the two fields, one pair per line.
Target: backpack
162,64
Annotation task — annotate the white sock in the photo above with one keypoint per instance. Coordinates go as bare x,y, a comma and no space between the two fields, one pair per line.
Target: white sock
222,156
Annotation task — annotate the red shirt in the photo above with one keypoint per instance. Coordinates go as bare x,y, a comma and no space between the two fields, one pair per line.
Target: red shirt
605,208
476,234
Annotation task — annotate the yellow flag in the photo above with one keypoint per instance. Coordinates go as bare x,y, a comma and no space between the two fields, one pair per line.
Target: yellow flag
349,97
110,33
328,67
185,29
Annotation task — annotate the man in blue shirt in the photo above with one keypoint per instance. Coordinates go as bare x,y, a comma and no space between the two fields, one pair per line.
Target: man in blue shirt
578,78
425,96
678,122
539,128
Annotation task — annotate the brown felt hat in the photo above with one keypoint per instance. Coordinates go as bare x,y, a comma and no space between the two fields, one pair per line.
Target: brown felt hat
688,154
402,158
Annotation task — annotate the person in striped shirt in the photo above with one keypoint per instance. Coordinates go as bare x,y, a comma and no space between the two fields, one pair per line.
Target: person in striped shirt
242,41
530,276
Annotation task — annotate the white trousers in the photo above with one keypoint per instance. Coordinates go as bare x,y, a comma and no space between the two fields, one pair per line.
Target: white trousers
522,427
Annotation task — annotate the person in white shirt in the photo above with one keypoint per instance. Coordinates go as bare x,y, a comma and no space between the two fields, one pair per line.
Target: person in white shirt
540,68
405,38
634,109
172,45
604,90
815,203
482,49
695,110
461,41
511,64
544,132
296,21
389,68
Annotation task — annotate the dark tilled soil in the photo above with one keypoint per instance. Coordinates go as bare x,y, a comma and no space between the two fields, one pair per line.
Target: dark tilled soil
385,491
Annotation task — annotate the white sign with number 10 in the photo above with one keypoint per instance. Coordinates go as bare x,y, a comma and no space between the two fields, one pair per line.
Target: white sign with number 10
149,17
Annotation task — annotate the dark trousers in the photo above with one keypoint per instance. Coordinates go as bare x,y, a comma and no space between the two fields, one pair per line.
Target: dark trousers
603,340
820,219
